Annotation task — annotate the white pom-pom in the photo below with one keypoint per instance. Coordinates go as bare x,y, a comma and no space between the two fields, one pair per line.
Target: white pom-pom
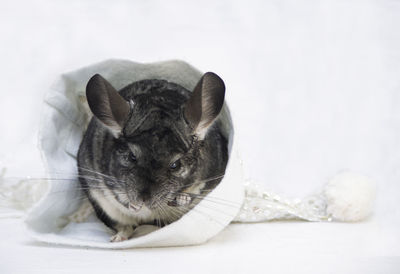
349,197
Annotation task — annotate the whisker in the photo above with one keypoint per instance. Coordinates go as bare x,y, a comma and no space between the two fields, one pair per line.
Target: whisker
162,213
216,209
220,203
65,191
210,198
96,172
203,214
51,179
205,180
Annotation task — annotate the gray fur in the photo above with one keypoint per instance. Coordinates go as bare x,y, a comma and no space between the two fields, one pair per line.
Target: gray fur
127,190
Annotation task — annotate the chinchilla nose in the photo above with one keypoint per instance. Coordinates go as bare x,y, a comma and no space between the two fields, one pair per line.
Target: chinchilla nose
145,195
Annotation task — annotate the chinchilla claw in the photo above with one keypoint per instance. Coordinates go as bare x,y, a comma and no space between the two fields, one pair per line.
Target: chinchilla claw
118,238
136,206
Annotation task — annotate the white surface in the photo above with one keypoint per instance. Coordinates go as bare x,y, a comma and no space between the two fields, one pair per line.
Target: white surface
295,247
314,89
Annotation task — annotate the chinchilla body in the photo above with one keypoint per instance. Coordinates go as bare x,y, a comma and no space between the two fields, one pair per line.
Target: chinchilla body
152,150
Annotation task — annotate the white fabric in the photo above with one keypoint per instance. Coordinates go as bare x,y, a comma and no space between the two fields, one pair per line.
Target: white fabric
65,119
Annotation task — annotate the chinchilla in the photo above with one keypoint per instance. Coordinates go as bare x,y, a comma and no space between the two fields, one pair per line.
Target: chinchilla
152,151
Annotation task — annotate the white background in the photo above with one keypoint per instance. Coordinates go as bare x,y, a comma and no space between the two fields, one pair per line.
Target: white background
314,87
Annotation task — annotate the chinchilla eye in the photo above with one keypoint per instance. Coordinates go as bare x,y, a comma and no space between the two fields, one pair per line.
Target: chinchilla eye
175,165
132,157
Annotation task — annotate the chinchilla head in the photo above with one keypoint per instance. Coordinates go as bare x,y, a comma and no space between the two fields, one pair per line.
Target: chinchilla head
154,140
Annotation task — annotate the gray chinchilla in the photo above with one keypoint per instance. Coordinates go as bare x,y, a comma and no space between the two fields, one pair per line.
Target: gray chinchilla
152,150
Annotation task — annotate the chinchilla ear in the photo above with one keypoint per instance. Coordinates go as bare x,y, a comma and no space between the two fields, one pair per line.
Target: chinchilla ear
205,103
106,104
